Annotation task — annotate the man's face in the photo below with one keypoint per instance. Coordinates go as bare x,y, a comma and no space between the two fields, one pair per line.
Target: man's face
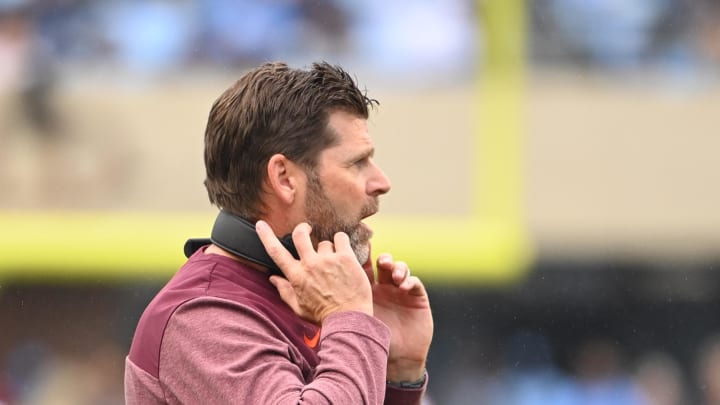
345,186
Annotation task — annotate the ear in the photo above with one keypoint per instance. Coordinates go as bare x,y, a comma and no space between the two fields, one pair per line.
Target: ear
284,178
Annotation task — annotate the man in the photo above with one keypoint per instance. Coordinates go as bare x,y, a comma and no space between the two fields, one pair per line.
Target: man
290,151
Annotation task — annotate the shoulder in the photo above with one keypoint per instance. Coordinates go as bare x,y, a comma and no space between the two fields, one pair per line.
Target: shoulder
217,316
195,279
214,337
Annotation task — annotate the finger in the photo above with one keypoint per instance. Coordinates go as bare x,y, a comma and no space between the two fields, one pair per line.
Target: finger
287,292
342,243
400,272
302,241
385,266
325,246
413,286
274,248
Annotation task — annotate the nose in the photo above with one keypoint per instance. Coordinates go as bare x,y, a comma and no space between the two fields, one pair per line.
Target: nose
378,182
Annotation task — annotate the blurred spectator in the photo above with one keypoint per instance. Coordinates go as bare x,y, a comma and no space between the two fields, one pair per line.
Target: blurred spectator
22,366
607,33
245,32
601,378
707,32
6,395
26,70
99,370
411,39
531,377
72,29
660,380
668,45
327,22
708,371
472,375
149,36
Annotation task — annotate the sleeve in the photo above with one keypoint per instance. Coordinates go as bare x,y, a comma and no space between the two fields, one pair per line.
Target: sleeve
219,352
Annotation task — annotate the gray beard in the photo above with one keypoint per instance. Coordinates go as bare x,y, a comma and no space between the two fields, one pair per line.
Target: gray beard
362,252
326,222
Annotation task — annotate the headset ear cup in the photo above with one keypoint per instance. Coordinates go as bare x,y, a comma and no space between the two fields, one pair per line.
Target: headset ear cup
238,236
192,245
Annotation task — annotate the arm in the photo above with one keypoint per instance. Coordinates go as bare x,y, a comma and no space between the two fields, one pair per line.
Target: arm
217,351
318,284
401,302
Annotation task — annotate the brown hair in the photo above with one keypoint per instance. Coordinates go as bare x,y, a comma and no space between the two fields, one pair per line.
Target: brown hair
272,109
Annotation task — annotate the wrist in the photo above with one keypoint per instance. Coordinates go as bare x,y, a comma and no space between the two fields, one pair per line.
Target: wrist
412,384
365,309
405,371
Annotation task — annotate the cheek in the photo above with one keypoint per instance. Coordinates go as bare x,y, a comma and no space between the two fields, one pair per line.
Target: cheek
346,188
347,201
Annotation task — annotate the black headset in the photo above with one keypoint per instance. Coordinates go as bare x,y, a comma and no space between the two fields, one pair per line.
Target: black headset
237,235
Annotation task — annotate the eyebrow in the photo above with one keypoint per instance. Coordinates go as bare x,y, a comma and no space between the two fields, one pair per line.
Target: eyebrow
370,152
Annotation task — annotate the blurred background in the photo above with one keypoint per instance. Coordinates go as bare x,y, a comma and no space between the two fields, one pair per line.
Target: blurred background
554,165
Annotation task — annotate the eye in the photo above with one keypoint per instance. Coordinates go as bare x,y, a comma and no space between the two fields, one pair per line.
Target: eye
362,162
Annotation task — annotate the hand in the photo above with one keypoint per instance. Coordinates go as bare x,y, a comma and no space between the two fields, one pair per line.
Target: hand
321,282
401,302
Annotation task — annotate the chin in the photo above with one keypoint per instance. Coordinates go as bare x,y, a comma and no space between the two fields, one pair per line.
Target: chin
362,252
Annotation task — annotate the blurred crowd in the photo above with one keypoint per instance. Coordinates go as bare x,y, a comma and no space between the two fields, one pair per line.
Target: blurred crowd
157,35
391,37
677,36
404,40
420,42
599,371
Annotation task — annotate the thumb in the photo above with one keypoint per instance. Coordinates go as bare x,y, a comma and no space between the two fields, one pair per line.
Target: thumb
286,291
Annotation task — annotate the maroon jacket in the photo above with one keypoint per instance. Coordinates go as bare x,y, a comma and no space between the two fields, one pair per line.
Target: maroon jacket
219,333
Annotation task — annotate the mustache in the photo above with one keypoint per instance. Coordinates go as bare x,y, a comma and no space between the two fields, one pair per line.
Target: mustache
370,209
